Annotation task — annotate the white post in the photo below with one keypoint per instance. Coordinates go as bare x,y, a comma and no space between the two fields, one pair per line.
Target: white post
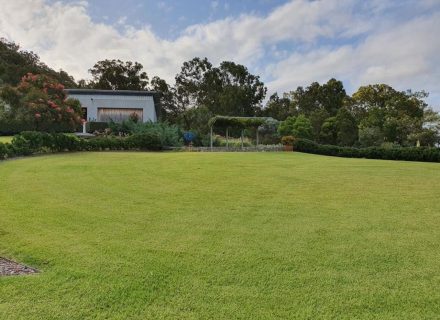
227,138
85,127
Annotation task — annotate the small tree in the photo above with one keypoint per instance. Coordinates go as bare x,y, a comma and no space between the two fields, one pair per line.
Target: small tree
41,101
286,127
302,128
299,127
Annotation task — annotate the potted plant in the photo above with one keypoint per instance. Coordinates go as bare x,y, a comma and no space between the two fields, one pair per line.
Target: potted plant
287,142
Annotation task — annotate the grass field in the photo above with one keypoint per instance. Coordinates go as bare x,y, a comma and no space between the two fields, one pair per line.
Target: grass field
5,139
220,236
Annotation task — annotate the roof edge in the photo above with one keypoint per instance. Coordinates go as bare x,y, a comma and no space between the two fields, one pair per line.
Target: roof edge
112,92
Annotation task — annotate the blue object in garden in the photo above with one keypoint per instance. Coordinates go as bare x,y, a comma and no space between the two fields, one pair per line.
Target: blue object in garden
189,136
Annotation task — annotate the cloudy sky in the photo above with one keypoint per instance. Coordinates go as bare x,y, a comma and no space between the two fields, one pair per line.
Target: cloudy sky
288,43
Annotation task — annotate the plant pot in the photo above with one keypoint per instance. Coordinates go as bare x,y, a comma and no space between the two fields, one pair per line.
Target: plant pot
288,148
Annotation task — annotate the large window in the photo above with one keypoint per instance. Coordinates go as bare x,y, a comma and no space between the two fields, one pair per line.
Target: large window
118,114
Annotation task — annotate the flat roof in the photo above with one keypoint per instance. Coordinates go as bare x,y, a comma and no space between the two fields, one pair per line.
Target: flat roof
112,92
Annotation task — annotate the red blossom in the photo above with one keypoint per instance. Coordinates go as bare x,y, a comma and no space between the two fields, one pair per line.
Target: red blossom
37,116
52,104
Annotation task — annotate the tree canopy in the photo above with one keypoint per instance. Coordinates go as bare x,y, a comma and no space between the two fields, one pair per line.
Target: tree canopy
16,63
117,75
229,89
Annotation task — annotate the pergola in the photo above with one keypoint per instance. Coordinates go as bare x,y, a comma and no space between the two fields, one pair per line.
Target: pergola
236,122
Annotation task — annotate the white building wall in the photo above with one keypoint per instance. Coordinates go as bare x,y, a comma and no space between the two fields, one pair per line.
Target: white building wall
94,101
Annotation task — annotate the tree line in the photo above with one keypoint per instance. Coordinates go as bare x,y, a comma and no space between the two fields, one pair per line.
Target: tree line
373,115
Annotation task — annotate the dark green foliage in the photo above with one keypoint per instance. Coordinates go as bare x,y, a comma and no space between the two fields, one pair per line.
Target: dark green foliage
329,131
329,97
237,122
169,135
10,127
166,107
15,63
286,127
117,75
370,136
94,126
347,129
33,142
398,115
148,140
299,127
196,120
3,150
317,119
229,89
302,128
398,153
278,108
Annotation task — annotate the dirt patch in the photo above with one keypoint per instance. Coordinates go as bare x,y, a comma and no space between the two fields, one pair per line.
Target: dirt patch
11,268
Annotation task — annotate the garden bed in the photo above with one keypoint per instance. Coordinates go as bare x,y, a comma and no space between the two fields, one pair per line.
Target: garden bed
11,268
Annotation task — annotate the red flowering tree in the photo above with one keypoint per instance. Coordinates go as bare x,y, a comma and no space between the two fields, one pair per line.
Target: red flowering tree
41,101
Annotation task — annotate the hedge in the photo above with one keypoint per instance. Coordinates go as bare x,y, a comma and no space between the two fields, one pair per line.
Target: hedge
424,154
32,142
11,127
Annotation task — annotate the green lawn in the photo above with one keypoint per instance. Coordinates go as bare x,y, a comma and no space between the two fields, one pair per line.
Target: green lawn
5,139
220,236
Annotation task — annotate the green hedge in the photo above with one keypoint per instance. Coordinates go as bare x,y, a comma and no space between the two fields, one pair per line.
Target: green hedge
32,142
11,127
397,153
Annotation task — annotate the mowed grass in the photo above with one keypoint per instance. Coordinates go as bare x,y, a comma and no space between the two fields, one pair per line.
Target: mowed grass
220,236
5,139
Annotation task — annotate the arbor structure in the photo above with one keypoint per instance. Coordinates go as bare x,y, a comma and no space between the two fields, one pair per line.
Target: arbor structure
236,122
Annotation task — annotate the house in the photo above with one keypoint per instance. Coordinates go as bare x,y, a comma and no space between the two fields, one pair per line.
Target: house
116,105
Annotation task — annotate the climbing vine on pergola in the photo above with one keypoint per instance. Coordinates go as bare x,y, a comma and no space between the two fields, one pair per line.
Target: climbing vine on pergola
242,123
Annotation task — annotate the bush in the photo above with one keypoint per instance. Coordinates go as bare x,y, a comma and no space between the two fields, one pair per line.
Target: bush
169,135
398,153
11,126
288,140
3,151
145,141
94,126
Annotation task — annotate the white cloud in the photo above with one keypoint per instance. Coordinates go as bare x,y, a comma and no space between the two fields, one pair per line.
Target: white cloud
331,38
405,57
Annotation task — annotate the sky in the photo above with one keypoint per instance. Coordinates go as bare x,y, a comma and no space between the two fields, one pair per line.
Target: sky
289,43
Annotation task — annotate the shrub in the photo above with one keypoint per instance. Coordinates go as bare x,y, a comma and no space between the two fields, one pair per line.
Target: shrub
42,102
145,141
3,151
13,126
288,140
65,142
169,135
94,126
